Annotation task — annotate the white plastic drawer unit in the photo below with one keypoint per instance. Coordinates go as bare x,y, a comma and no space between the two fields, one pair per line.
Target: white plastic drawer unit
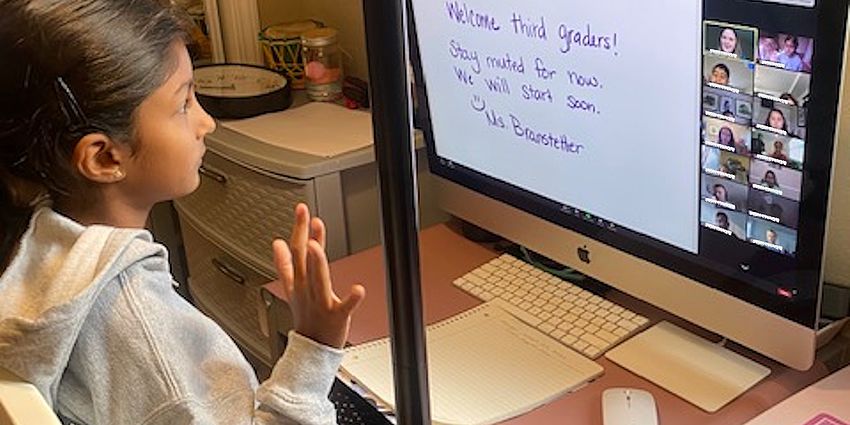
243,208
228,291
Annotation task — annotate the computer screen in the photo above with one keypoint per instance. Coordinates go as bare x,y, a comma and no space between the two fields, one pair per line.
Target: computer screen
697,135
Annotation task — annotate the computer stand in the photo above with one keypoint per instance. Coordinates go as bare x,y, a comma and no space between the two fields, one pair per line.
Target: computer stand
705,374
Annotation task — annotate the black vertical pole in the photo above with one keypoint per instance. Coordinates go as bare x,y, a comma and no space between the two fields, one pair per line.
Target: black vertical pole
386,43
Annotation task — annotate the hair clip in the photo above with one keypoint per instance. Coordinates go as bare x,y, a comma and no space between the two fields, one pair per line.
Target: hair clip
70,107
27,77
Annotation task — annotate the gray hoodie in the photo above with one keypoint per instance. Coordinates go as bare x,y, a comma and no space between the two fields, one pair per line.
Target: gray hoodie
89,316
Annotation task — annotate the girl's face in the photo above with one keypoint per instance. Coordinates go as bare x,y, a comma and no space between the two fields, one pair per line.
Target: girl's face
170,130
728,40
790,48
719,76
776,120
726,137
770,179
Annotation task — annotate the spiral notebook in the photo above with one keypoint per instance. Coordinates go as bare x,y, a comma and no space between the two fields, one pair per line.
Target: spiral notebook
484,366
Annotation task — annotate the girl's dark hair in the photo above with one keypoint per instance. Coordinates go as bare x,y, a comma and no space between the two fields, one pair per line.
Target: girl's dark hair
71,68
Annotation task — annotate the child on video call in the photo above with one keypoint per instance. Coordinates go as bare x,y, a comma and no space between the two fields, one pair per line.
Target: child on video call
100,122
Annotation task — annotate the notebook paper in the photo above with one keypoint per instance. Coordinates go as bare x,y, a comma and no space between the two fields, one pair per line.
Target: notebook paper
484,366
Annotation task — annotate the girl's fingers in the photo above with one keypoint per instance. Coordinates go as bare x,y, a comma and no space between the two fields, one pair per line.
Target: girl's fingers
317,230
298,241
284,266
358,293
320,275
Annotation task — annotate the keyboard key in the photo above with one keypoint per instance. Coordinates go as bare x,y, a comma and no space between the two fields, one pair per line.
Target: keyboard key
640,320
607,336
569,339
593,339
592,351
627,325
546,327
489,268
555,320
481,273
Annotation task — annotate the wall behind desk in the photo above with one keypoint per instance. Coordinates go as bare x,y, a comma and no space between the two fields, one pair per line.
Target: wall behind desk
344,15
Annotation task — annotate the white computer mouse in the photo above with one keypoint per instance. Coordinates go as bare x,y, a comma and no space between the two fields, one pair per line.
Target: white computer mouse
628,406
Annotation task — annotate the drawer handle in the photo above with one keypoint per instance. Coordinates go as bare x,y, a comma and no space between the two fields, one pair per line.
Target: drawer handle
228,271
221,178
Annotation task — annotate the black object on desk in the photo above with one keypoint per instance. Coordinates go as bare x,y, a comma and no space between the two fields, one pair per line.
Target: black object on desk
352,409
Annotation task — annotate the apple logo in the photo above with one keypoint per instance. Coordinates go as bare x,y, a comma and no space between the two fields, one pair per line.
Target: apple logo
584,254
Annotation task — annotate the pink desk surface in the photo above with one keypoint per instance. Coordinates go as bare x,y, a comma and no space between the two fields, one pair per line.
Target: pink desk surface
446,255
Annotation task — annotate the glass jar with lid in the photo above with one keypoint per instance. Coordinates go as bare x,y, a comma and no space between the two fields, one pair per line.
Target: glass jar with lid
322,64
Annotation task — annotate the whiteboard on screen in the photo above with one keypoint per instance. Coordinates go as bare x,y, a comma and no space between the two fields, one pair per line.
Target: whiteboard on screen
592,104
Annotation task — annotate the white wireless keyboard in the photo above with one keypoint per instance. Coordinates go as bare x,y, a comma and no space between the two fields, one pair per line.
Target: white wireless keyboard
571,315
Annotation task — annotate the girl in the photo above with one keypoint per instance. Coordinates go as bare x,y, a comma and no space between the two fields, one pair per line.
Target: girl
776,119
100,122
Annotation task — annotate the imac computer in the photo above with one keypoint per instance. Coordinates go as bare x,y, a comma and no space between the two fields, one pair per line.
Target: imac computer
680,151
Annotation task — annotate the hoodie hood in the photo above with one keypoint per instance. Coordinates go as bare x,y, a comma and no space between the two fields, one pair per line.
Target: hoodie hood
50,286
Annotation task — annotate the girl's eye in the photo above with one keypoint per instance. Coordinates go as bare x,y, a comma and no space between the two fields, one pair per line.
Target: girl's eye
185,107
187,103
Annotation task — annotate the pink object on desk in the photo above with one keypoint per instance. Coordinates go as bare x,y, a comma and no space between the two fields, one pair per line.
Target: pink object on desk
826,402
826,419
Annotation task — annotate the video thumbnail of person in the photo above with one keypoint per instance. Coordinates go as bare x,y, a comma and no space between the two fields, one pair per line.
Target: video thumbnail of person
726,135
730,40
728,74
779,149
779,118
720,163
786,51
732,223
724,193
774,208
725,105
773,178
774,237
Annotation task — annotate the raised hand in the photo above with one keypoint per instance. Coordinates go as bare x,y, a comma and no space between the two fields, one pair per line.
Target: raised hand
302,267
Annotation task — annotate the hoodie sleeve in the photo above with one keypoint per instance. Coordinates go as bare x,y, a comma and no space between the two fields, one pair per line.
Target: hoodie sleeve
147,356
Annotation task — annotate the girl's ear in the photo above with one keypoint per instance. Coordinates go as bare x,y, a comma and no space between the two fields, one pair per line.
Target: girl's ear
100,159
